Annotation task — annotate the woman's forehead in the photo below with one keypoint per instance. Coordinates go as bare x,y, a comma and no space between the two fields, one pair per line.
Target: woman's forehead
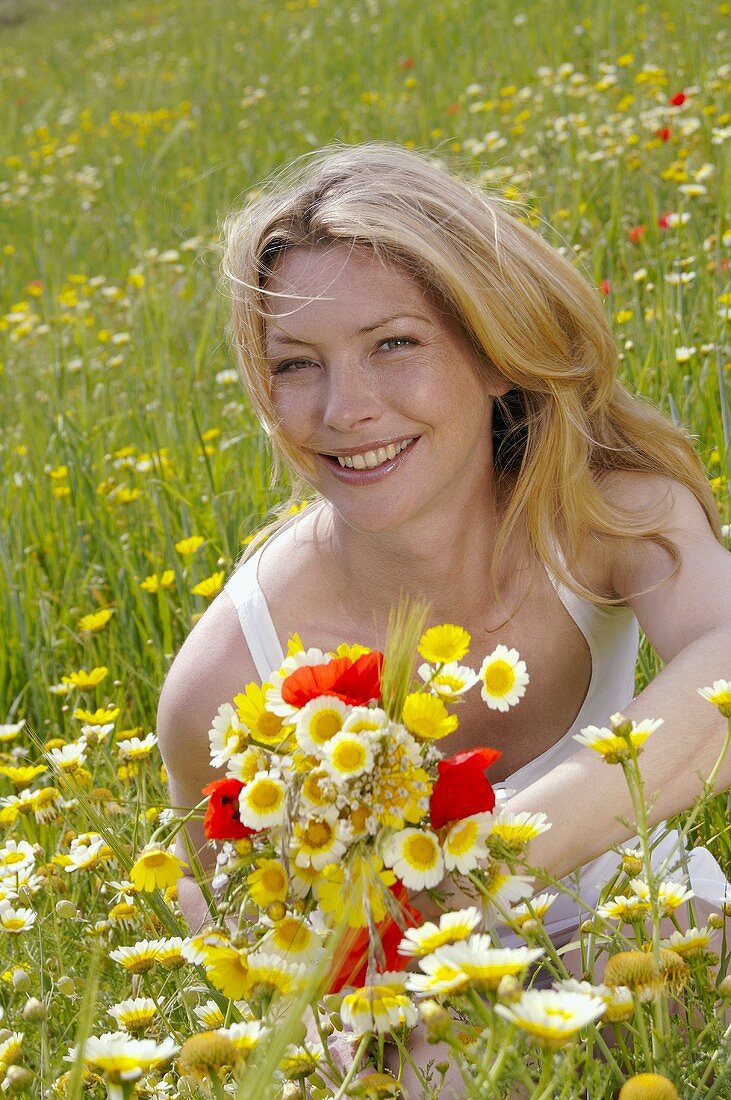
323,279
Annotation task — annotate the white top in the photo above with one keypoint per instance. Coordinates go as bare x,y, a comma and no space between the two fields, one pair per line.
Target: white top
612,635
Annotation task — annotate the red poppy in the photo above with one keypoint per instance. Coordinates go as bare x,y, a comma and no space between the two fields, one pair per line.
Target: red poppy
407,63
605,286
677,100
663,220
222,821
636,233
462,788
351,960
663,133
357,683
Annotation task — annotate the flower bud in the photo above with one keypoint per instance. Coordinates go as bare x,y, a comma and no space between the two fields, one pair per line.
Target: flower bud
435,1019
632,863
17,1079
727,907
586,928
34,1010
21,981
531,927
276,910
66,986
724,988
66,909
715,920
509,989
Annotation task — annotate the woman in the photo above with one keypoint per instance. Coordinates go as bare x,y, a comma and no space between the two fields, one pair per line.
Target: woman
446,384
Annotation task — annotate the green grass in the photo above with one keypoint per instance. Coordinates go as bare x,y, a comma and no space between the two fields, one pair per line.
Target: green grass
128,132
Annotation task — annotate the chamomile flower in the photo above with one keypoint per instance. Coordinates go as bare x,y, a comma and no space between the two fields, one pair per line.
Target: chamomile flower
85,851
210,1015
552,1018
317,792
618,999
514,831
535,909
245,1035
136,748
16,857
366,720
692,944
271,976
294,938
119,1058
9,731
319,721
485,965
318,841
499,888
719,695
426,717
441,645
262,801
227,735
428,937
135,1015
465,842
670,894
628,908
346,756
450,681
416,857
69,758
245,765
622,741
16,920
504,678
137,958
379,1007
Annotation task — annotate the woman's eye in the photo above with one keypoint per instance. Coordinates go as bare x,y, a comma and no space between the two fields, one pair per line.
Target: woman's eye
291,365
397,342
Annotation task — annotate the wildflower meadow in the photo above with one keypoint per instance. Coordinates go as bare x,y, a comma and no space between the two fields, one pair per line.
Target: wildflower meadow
134,476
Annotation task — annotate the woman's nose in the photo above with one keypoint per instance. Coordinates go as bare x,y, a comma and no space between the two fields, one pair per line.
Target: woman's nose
351,398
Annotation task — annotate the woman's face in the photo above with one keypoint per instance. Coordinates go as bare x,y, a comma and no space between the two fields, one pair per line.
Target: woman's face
377,387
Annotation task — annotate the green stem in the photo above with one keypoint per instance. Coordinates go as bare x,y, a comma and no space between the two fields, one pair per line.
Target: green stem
362,1047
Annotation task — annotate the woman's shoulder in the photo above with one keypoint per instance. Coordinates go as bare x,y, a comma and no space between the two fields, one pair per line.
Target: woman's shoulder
212,665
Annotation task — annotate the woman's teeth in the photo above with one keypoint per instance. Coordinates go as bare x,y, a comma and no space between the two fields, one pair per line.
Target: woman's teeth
370,459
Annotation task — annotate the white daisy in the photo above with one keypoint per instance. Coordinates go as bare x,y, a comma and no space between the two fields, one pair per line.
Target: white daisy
262,801
504,678
465,844
346,756
552,1017
451,681
416,857
428,937
319,721
227,735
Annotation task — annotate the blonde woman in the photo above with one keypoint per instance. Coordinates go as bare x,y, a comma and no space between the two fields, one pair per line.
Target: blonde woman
446,384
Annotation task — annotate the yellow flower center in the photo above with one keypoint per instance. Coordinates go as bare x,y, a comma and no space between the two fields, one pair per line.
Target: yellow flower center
269,726
349,756
273,879
420,851
13,857
462,839
324,725
265,795
499,678
291,935
318,834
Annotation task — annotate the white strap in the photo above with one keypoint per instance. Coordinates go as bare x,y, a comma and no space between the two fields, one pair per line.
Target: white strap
255,618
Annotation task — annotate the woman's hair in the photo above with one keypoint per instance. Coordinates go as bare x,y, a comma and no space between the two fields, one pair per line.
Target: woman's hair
523,309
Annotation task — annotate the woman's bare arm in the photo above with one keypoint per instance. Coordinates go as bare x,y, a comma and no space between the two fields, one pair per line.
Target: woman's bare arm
688,621
212,666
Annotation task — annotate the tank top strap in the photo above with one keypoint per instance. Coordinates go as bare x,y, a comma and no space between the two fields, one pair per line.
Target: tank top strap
255,618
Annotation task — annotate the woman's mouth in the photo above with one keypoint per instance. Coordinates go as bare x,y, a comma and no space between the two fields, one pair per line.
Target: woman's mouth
358,465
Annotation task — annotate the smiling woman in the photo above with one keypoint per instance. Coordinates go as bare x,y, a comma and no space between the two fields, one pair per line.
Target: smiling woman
446,384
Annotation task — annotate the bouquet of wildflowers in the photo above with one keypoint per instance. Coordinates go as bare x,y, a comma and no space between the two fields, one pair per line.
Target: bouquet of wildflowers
338,804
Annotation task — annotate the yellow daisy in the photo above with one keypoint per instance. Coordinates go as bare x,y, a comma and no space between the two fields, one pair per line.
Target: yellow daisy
264,727
155,869
96,620
443,644
99,717
189,545
426,717
157,582
86,681
227,968
267,883
209,587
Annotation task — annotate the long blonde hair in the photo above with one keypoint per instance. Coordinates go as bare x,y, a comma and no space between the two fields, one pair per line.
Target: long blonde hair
523,309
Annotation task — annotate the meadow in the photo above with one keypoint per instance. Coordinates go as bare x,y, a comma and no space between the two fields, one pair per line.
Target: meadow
134,472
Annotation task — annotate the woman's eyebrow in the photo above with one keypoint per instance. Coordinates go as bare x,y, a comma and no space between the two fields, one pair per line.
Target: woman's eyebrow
280,337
